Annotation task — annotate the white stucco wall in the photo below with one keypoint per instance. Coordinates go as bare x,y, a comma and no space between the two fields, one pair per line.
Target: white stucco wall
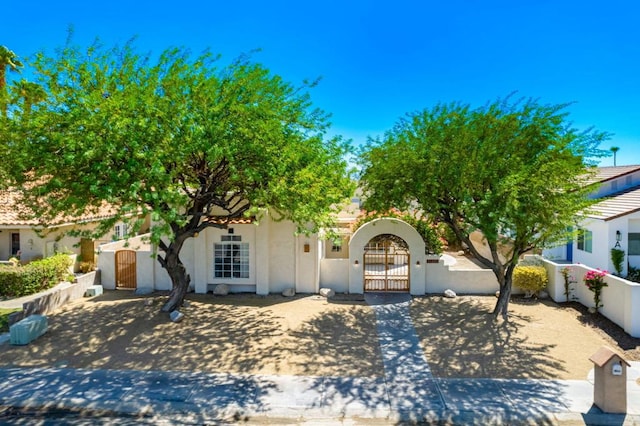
620,299
599,256
334,274
282,256
307,263
472,281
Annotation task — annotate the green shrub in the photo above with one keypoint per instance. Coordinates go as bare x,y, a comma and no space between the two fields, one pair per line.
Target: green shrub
634,274
531,279
617,258
17,281
11,281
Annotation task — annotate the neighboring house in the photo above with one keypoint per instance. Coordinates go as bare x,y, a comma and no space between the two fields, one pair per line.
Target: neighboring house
613,222
269,257
24,237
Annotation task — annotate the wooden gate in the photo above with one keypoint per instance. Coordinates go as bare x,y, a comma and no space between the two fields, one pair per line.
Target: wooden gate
126,269
386,264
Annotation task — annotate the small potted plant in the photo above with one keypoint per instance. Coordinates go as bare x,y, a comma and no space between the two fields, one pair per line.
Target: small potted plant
594,280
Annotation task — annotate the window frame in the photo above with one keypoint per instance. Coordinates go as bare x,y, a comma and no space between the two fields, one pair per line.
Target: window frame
231,259
631,247
585,240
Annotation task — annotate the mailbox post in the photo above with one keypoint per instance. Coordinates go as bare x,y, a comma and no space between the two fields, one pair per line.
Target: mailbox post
610,381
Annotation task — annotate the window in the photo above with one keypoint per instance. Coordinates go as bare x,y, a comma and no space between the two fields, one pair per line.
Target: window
634,244
231,258
120,231
336,247
15,244
585,240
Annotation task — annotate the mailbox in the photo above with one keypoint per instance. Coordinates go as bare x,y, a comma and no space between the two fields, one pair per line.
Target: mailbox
610,381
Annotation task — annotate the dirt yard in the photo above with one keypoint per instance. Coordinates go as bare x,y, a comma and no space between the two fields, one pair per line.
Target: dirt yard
541,340
308,335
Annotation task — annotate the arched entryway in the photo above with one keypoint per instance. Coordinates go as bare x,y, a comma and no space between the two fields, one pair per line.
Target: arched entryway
386,264
405,236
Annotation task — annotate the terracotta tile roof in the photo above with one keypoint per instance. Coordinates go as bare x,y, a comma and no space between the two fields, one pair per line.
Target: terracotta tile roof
616,205
14,214
604,174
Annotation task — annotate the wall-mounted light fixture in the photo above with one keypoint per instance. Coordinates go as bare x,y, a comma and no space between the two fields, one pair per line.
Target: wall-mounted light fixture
418,263
356,263
618,238
307,247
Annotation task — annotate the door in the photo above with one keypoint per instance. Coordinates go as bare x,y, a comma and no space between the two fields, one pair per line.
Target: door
386,264
87,250
126,269
15,243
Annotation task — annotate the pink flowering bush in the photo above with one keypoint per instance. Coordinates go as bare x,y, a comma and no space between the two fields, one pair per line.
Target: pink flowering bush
594,280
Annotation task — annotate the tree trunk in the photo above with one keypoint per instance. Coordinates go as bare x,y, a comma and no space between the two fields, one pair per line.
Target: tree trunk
505,281
177,272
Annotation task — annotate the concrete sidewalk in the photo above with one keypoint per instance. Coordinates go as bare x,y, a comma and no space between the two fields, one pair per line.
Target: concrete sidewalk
196,398
408,392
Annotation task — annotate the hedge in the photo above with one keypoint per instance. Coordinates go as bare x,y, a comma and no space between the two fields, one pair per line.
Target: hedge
530,278
39,275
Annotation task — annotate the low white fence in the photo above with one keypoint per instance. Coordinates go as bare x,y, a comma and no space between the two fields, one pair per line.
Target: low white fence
620,299
441,277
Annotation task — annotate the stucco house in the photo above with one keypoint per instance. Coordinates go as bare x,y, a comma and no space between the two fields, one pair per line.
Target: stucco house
613,222
24,237
385,254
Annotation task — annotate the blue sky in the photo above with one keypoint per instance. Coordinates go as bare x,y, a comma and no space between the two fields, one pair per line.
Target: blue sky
379,60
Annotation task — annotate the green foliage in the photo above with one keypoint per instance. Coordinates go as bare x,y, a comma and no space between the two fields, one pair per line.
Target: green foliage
513,170
4,319
18,281
427,230
181,138
633,274
617,258
530,278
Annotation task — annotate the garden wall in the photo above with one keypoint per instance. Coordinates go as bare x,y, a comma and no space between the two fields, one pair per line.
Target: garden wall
57,296
440,277
620,299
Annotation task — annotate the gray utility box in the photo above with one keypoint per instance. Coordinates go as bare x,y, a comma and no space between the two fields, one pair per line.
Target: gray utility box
610,381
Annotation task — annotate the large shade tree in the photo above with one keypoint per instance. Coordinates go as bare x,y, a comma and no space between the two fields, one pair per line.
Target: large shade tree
513,170
189,141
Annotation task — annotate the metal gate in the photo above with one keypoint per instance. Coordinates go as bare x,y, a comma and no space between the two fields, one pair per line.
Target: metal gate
126,269
386,264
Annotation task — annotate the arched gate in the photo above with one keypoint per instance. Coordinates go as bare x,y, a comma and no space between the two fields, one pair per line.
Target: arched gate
386,264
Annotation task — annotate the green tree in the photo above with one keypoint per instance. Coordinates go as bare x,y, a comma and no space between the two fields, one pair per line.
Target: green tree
614,150
511,170
8,61
180,138
28,93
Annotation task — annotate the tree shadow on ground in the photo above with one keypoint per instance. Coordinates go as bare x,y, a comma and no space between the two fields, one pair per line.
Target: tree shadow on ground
606,327
237,334
461,339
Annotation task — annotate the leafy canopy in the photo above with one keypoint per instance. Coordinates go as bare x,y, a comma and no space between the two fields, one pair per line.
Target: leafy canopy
179,137
513,170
